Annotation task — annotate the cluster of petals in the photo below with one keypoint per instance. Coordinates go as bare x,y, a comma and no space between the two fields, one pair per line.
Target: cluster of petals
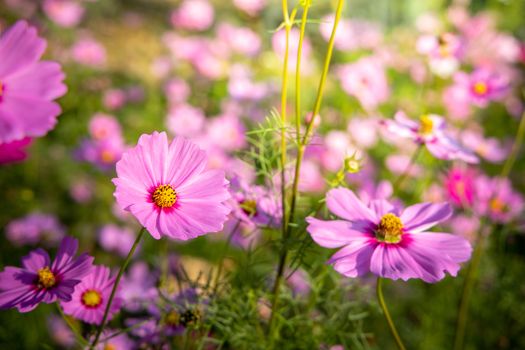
388,241
40,280
167,188
28,86
431,132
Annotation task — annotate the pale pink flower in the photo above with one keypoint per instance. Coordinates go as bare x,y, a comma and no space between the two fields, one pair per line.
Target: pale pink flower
185,120
89,52
65,13
193,15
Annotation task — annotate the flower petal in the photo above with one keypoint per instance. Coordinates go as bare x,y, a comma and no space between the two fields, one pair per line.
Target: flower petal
420,217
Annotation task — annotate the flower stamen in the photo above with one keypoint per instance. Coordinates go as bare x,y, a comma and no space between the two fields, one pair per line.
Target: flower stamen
46,278
426,125
390,229
91,298
480,88
164,196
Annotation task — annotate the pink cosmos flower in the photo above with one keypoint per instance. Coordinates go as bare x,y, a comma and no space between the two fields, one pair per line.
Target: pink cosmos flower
240,39
60,332
185,120
101,153
104,126
177,91
443,51
387,241
14,151
117,239
27,86
227,132
459,185
193,15
138,287
35,228
482,85
114,99
366,80
89,52
90,298
166,187
489,149
40,281
352,34
430,131
65,13
496,199
251,7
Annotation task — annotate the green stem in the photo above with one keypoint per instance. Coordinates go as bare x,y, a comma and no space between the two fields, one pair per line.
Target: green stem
399,181
115,286
298,73
515,148
393,330
223,255
468,286
82,341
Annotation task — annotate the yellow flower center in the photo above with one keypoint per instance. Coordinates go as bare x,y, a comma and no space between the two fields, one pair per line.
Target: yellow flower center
480,88
164,196
496,205
107,156
390,229
190,317
249,207
172,318
46,278
91,298
110,346
426,125
1,89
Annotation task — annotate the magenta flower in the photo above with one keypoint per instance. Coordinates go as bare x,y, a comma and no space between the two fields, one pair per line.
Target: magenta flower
482,86
14,151
387,241
496,199
39,280
459,185
166,187
90,298
431,132
27,86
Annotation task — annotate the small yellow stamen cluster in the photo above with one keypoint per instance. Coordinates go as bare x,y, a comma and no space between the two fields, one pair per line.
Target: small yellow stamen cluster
164,196
249,207
426,125
480,88
110,346
91,298
172,318
107,156
46,278
1,89
390,229
496,205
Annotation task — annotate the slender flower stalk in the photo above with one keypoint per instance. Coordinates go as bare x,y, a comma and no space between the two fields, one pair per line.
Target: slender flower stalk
391,325
468,285
515,148
80,339
284,89
399,181
301,145
223,255
115,286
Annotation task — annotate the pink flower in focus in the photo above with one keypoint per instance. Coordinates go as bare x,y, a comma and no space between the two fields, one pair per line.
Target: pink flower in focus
166,187
65,13
90,298
27,86
459,185
430,131
366,81
185,120
193,15
387,241
497,200
89,52
14,151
